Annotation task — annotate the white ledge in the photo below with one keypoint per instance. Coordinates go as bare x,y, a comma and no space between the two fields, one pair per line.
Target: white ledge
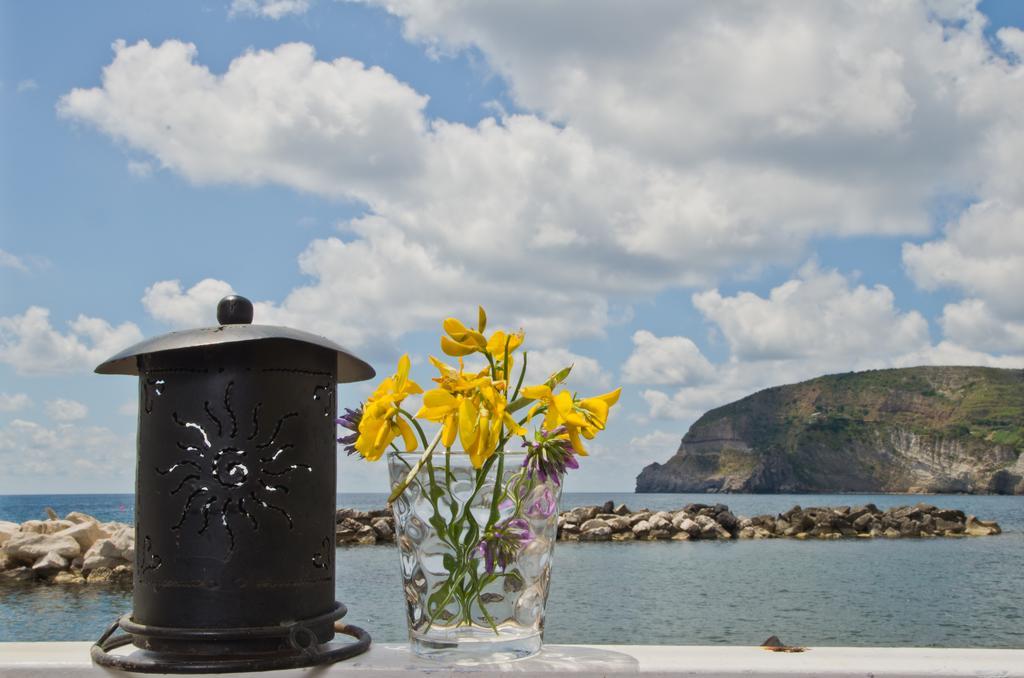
391,660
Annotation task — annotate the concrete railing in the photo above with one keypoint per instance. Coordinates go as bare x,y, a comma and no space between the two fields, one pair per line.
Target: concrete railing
390,660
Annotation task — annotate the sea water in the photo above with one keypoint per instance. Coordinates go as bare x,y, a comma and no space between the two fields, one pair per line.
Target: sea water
868,592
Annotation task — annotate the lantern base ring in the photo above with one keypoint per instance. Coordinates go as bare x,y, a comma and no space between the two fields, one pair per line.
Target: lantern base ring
305,650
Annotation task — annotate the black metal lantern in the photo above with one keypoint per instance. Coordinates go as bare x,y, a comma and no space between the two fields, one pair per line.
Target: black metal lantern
234,500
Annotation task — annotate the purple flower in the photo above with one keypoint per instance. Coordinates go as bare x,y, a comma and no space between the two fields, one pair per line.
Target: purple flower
502,543
543,504
350,420
550,456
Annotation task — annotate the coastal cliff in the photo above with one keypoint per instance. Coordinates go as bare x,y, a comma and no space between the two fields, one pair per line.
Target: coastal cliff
918,429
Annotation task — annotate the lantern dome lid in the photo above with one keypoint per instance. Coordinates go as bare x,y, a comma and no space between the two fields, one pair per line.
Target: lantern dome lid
234,313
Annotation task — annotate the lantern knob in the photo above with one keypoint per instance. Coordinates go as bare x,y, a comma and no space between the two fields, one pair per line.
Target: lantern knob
234,310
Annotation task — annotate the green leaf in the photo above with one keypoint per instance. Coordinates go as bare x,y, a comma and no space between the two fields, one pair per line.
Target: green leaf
558,377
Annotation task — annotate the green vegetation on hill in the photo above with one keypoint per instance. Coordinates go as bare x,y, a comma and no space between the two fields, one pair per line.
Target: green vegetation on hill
922,428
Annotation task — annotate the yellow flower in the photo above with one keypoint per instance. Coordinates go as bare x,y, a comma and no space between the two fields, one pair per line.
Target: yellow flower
461,341
580,417
471,407
381,422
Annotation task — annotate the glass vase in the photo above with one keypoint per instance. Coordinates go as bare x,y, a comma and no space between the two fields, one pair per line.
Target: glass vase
475,548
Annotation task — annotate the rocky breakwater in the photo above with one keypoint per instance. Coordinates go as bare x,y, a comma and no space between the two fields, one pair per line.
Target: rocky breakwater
352,526
75,549
716,521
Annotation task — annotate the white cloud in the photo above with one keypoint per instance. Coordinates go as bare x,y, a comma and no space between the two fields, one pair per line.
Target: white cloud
583,220
12,402
26,86
586,378
31,345
816,314
269,9
1012,39
140,168
64,410
183,309
655,446
665,360
25,264
274,117
972,323
982,254
87,455
8,260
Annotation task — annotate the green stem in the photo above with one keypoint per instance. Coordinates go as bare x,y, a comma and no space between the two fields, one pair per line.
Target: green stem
415,469
412,420
522,375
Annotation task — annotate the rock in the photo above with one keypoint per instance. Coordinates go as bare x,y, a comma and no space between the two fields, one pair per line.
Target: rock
863,522
77,517
7,529
891,533
353,514
623,536
584,513
85,533
681,536
642,528
123,539
18,574
599,533
910,528
68,578
103,548
97,562
658,534
608,507
621,510
800,535
745,533
122,575
980,528
51,514
619,525
593,524
49,564
637,517
382,526
951,515
948,525
29,547
353,532
727,520
710,529
5,561
45,526
660,522
99,575
690,527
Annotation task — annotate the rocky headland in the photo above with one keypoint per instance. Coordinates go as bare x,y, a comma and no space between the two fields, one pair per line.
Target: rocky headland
941,430
79,549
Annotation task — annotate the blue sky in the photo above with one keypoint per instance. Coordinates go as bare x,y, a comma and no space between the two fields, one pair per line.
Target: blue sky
693,202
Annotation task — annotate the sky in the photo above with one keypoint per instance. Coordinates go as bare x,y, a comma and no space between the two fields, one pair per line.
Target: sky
693,201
